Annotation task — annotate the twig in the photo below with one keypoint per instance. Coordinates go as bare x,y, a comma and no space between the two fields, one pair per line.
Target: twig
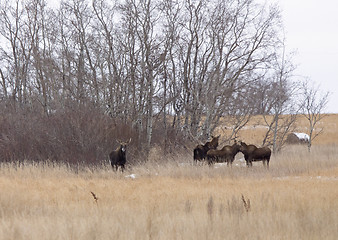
94,196
246,203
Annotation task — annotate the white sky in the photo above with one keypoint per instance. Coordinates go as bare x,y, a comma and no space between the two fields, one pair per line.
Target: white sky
311,28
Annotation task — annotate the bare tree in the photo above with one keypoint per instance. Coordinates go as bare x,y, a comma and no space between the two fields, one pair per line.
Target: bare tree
281,115
37,32
3,84
142,43
110,67
12,21
222,49
312,106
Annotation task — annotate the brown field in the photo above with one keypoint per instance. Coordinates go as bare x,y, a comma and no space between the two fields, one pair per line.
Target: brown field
174,199
255,130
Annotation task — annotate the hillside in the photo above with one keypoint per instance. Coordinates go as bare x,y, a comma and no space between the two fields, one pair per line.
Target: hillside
254,131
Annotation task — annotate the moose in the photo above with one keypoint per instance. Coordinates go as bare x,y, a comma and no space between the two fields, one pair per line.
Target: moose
226,154
118,156
200,151
253,153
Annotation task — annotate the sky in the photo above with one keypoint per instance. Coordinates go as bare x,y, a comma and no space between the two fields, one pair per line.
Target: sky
311,30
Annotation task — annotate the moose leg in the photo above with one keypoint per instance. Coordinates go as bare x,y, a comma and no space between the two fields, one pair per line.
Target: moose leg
198,156
210,161
249,162
195,158
231,161
198,160
266,162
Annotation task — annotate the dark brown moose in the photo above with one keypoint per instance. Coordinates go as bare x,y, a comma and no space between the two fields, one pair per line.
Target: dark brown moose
226,154
253,153
118,157
200,151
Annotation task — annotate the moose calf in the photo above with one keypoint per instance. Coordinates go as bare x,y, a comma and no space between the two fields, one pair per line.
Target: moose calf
118,157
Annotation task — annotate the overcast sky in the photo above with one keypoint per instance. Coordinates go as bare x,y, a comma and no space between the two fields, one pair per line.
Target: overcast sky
312,30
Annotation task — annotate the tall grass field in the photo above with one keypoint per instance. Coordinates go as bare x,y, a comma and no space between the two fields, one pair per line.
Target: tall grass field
175,199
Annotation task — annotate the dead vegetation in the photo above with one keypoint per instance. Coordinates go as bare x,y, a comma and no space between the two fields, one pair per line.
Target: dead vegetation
255,130
295,198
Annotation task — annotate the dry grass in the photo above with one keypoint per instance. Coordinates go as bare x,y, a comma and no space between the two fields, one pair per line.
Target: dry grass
174,199
255,130
295,199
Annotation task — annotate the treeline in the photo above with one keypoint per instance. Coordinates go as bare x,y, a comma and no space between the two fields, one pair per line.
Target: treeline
171,68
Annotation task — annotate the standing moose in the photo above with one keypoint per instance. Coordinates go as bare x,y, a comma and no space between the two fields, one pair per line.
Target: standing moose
118,157
253,153
200,151
226,154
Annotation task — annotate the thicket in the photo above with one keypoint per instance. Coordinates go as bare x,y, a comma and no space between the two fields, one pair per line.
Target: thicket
77,134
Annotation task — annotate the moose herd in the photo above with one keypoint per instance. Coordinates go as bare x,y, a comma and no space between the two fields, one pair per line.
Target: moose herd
227,154
207,152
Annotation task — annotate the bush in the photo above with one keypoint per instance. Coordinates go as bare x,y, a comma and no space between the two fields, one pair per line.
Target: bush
77,134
